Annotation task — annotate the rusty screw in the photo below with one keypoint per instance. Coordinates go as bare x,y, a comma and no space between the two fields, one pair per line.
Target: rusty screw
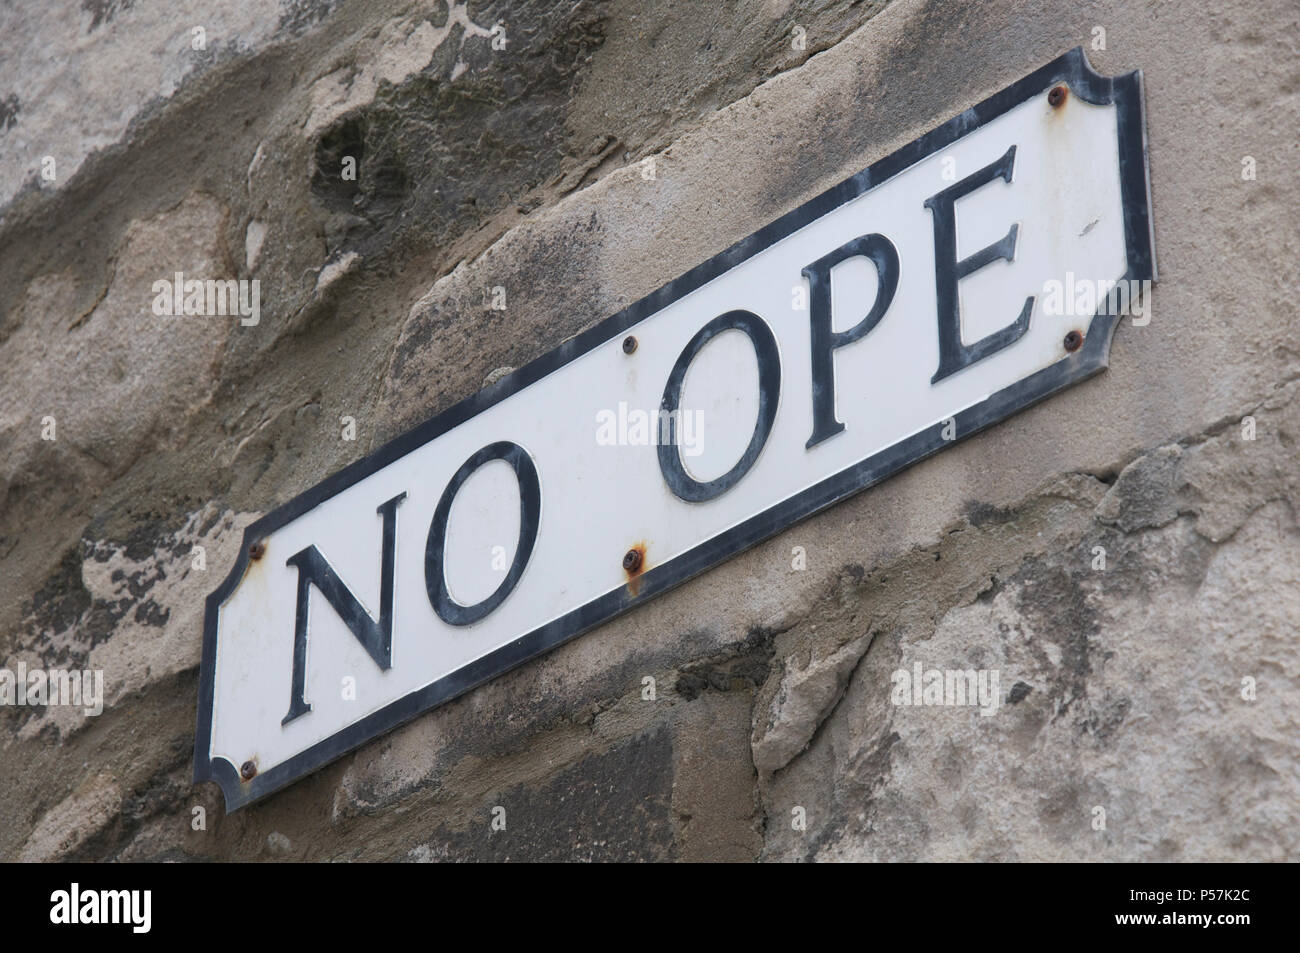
629,344
1056,97
1073,341
257,550
632,560
248,770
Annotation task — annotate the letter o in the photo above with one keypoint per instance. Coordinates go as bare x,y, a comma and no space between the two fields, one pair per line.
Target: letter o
760,336
530,509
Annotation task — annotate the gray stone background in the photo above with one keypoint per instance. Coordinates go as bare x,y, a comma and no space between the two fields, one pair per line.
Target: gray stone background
519,168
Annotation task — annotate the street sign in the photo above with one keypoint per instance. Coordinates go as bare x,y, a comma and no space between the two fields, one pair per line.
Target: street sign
977,270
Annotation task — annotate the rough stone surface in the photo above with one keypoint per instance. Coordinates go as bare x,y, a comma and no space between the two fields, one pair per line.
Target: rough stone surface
1123,686
500,145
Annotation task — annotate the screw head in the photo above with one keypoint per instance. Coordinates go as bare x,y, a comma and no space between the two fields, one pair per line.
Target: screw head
1073,341
257,550
248,770
632,560
1056,96
629,344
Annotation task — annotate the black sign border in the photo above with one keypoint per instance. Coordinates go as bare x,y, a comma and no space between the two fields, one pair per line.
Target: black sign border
1071,68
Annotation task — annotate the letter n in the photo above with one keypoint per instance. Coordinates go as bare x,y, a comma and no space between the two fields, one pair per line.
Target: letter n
376,637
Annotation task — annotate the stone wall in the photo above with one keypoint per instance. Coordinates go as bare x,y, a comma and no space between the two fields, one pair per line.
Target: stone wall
516,164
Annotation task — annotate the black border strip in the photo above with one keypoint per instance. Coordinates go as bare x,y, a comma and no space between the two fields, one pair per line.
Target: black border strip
1071,68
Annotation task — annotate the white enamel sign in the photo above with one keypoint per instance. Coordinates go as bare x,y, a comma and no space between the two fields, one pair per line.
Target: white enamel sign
933,294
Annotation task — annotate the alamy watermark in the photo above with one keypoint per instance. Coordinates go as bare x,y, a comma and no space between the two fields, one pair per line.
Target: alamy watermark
132,908
947,687
194,296
1084,297
642,428
53,687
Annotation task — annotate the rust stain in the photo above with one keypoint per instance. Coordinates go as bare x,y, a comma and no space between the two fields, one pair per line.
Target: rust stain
634,564
255,568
